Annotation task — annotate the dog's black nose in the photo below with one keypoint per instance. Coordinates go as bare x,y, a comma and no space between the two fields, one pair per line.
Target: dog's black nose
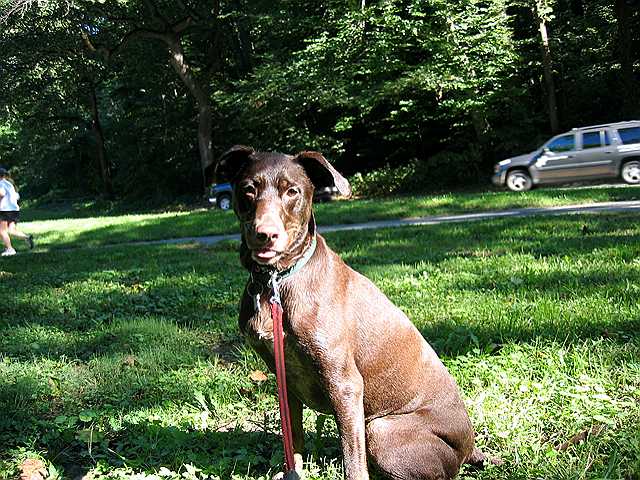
267,234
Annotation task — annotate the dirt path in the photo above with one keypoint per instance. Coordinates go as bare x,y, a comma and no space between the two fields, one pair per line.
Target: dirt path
592,208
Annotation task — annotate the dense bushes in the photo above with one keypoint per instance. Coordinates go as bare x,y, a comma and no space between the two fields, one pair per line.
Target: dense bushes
445,169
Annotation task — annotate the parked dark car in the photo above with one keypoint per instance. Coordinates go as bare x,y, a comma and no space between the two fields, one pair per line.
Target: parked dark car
589,153
220,195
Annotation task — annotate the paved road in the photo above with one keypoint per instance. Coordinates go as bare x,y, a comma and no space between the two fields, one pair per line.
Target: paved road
606,207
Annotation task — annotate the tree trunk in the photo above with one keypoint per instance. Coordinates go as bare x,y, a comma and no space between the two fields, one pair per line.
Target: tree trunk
629,87
548,75
203,104
479,122
96,127
205,143
242,42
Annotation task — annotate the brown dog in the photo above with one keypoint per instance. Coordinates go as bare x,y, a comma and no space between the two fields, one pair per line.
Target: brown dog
349,351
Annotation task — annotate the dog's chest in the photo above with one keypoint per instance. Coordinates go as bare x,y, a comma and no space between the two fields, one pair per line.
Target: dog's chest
300,364
260,325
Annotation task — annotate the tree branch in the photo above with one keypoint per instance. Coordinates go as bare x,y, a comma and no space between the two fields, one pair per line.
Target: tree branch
190,11
181,25
166,37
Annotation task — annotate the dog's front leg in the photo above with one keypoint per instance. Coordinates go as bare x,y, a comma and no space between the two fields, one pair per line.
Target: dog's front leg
347,399
297,430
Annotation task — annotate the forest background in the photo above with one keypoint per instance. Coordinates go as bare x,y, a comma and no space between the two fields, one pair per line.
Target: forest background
137,98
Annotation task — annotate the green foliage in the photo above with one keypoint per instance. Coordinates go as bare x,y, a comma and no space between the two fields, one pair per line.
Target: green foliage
425,81
443,169
383,181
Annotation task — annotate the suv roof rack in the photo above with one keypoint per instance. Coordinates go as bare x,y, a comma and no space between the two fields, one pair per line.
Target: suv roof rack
604,125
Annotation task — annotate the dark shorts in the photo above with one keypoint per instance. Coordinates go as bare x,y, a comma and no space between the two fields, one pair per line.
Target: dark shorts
9,216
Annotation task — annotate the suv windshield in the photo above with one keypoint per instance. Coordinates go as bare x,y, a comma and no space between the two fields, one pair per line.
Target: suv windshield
565,143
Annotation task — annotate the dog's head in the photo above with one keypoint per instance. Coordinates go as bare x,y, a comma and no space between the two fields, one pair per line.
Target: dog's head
272,197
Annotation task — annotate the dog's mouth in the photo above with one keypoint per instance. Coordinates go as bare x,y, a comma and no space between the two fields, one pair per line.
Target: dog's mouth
265,255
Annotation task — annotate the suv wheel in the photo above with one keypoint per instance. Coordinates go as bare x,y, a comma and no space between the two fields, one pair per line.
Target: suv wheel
519,181
631,172
224,201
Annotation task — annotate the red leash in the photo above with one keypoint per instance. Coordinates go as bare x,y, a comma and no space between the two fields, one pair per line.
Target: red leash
281,380
278,353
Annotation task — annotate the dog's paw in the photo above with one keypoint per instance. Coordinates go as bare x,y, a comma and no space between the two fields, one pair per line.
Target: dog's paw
296,474
291,475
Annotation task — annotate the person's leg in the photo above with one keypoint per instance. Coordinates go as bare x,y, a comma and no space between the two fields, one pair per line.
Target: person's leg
14,232
4,234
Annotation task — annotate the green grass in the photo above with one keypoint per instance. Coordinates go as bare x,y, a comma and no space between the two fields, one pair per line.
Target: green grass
126,360
79,224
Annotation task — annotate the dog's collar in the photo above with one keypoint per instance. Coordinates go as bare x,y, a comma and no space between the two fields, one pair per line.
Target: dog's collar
262,279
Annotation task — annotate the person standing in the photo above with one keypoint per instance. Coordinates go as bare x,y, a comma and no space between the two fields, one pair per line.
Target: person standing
9,214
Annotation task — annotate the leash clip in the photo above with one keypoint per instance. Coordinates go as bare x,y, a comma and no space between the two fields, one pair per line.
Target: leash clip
273,281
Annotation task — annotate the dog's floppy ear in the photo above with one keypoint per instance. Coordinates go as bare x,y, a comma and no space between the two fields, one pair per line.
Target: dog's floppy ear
322,173
231,162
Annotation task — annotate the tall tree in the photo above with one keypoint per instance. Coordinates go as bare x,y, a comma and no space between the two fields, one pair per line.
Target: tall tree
543,11
172,24
53,81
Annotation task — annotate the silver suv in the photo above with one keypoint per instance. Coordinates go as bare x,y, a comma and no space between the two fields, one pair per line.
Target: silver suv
588,153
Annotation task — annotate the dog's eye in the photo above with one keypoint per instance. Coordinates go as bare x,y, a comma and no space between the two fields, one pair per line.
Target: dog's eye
292,192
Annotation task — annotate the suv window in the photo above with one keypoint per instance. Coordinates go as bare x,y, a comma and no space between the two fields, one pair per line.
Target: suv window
590,140
629,135
565,143
607,138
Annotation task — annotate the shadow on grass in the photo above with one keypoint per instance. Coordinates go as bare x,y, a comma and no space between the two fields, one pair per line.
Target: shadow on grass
451,339
223,453
144,443
83,291
532,274
198,287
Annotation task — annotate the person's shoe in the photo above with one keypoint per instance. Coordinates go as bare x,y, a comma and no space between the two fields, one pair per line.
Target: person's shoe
8,252
30,242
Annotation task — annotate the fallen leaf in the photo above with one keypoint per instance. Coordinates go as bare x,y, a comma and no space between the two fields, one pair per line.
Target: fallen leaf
129,360
33,469
592,431
258,376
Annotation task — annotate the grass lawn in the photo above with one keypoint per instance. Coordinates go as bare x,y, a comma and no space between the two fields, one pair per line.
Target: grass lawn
126,360
79,224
